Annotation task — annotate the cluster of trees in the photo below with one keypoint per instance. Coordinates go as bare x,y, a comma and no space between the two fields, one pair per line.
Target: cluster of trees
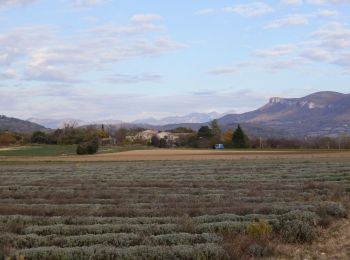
8,138
68,135
87,139
208,136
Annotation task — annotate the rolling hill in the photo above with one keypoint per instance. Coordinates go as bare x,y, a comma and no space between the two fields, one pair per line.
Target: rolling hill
18,125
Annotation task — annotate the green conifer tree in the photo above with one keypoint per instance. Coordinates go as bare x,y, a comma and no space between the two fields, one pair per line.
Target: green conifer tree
239,139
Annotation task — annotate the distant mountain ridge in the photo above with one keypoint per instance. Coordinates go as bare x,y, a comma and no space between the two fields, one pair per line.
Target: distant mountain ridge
190,118
17,125
318,114
55,123
60,123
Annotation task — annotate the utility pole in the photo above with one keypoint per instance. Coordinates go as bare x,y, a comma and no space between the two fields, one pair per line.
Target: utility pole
341,137
261,143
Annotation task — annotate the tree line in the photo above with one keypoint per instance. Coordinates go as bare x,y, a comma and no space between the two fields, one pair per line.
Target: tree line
89,138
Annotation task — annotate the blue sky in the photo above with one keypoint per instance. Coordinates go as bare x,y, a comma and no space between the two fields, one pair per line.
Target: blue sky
103,59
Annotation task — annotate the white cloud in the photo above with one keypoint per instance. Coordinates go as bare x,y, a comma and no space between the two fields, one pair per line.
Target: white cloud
316,54
269,65
145,18
322,2
344,61
40,53
205,11
86,3
90,19
12,3
333,36
133,79
113,30
314,2
326,13
223,71
251,9
292,2
301,19
73,3
330,45
248,10
276,51
8,74
287,21
48,73
288,64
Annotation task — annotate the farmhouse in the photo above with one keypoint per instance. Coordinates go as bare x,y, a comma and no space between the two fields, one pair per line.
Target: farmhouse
146,136
108,141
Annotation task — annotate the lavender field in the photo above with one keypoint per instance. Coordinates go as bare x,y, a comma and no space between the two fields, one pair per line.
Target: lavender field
167,210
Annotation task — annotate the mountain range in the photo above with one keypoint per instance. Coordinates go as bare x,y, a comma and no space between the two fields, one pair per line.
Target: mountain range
319,114
60,123
190,118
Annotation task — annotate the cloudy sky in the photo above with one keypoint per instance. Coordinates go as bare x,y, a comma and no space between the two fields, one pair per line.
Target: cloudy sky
103,59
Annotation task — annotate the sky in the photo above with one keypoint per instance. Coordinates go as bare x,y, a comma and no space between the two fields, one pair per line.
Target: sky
126,60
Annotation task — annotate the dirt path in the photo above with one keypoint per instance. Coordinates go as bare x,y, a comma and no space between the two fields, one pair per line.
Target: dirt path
8,148
174,155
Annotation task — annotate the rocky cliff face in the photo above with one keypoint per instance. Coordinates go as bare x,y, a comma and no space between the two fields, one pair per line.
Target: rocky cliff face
322,113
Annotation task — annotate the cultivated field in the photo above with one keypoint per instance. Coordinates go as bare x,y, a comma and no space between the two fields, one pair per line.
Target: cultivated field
201,209
47,153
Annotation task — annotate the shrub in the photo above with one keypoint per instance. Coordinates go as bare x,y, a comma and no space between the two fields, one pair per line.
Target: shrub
16,226
308,217
186,223
241,246
221,227
297,231
331,209
87,148
5,250
297,226
259,229
256,250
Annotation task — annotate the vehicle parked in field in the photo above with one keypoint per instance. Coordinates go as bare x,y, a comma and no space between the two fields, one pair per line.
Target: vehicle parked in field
219,147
